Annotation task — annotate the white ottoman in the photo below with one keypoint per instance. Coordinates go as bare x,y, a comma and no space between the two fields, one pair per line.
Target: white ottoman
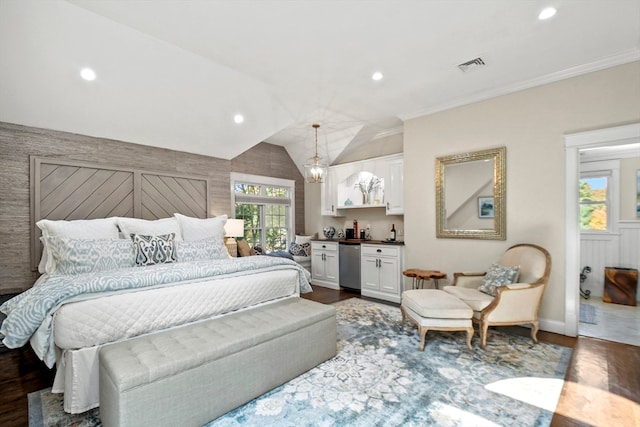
432,309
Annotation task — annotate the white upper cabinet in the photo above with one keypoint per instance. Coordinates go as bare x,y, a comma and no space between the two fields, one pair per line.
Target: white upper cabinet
394,200
372,183
328,205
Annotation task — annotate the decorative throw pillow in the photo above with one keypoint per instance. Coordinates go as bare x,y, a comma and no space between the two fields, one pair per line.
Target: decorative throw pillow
300,249
200,250
150,250
78,256
244,249
498,276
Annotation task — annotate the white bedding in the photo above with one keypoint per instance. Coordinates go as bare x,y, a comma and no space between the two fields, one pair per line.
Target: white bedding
101,289
119,316
81,327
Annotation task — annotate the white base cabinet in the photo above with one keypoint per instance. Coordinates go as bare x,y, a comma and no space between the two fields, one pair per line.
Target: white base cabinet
324,264
381,271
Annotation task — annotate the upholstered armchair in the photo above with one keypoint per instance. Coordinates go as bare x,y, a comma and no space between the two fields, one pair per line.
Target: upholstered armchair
514,303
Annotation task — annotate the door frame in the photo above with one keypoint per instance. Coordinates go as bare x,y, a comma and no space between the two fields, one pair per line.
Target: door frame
573,143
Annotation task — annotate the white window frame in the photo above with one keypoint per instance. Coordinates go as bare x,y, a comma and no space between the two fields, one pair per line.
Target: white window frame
611,170
243,178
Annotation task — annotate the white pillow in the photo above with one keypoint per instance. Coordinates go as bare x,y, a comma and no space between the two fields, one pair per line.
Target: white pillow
198,229
303,239
147,227
99,228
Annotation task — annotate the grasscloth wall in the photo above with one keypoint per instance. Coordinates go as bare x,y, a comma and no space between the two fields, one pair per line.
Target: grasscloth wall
17,143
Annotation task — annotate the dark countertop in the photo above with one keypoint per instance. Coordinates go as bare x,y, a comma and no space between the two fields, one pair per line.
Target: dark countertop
360,241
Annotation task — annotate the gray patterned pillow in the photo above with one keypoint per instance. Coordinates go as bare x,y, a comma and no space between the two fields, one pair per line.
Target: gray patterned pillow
79,256
498,276
200,250
151,250
300,249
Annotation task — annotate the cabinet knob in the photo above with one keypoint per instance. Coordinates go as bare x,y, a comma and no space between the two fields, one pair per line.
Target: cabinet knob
379,250
324,246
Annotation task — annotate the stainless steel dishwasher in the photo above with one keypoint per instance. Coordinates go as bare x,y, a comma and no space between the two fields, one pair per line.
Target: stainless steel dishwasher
349,265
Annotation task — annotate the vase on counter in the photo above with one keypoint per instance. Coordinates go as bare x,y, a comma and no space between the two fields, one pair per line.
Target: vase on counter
329,232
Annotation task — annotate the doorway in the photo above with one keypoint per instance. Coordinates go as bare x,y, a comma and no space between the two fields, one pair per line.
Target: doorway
615,322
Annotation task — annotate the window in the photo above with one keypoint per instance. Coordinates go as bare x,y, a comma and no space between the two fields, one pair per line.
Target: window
266,205
594,201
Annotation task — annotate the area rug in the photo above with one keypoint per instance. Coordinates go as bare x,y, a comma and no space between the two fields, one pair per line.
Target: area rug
588,314
379,377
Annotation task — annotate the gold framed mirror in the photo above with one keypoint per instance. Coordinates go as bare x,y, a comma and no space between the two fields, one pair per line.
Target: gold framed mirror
471,195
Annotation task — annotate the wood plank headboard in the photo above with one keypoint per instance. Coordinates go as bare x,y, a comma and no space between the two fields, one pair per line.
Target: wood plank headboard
68,190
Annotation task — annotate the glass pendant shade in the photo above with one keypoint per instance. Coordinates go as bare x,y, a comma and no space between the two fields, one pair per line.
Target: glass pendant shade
315,172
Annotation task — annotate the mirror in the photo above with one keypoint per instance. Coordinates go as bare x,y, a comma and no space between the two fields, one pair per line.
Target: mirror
471,195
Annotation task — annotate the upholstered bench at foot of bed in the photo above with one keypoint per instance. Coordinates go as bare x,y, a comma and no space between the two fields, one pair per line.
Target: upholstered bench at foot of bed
432,309
193,374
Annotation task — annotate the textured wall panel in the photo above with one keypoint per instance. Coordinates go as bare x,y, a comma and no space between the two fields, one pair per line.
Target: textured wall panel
66,190
162,196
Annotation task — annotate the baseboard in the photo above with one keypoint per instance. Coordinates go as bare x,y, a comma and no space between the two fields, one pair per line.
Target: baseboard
547,325
554,326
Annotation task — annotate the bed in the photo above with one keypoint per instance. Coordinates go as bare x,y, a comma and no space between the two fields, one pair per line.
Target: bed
109,279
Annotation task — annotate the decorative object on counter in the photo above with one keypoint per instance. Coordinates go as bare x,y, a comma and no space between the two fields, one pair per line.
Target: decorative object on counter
329,232
340,234
362,235
392,234
355,228
315,172
349,233
367,236
348,202
367,186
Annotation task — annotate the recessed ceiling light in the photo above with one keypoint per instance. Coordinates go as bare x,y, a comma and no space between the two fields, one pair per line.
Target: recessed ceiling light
238,118
377,76
88,74
547,13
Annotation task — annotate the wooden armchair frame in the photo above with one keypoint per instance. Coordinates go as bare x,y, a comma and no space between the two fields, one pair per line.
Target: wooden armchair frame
515,304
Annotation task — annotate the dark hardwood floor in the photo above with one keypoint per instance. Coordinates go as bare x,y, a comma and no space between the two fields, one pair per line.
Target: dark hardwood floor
602,384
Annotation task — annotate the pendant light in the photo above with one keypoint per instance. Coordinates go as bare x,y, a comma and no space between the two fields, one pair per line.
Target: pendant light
315,172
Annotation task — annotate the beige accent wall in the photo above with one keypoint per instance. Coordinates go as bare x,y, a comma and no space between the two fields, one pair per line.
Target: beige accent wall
531,124
629,189
383,146
17,143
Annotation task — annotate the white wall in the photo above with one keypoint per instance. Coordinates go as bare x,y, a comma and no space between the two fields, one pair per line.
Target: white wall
532,125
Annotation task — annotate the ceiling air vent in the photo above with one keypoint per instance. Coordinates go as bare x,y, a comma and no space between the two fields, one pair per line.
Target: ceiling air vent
471,65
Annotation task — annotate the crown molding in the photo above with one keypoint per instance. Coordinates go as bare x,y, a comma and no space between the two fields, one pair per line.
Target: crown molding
601,64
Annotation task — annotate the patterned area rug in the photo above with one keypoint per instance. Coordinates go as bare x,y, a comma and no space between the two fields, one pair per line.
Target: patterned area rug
380,378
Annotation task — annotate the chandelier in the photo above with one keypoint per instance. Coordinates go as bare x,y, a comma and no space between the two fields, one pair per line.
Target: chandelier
315,172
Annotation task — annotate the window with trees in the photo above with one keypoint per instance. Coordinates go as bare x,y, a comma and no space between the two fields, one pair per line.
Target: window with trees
594,202
265,204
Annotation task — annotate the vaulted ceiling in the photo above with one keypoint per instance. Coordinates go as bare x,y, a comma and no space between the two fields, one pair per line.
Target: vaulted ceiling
174,74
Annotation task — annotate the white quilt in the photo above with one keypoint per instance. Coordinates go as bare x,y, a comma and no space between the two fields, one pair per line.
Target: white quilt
82,327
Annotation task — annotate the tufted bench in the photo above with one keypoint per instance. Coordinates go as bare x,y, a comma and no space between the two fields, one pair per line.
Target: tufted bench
196,373
436,310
